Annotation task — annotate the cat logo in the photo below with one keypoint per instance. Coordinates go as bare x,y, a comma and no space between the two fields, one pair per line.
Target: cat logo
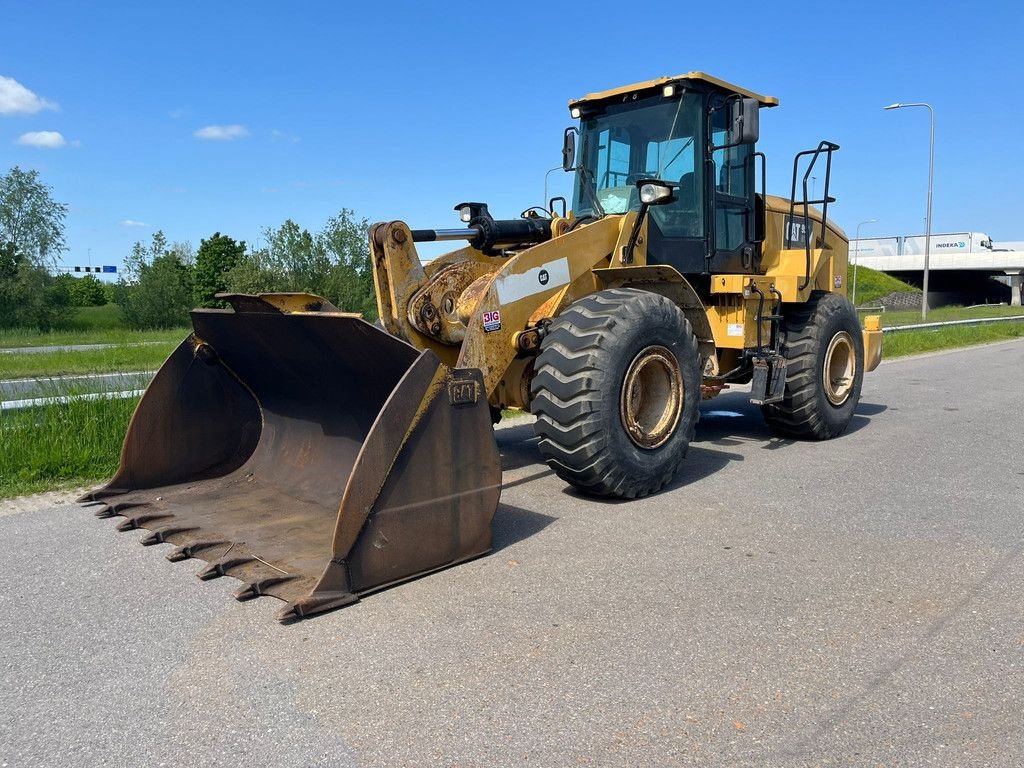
798,232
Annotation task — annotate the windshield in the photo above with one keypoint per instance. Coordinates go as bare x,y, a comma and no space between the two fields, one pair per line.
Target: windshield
648,138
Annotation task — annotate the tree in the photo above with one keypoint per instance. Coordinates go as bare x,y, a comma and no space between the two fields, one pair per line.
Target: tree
334,263
215,258
86,291
29,295
350,281
156,289
31,235
30,218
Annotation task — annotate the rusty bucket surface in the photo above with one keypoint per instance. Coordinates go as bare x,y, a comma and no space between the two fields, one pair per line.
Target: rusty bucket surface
308,454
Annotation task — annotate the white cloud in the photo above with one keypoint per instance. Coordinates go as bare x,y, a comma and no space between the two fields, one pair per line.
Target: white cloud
277,135
222,132
16,99
133,223
42,139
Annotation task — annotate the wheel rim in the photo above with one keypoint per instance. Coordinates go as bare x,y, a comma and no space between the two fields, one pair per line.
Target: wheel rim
840,368
652,397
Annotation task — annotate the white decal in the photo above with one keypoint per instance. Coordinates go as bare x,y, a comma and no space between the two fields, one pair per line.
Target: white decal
735,329
492,321
512,288
838,281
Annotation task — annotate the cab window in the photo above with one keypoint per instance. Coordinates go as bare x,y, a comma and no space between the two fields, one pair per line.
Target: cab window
733,181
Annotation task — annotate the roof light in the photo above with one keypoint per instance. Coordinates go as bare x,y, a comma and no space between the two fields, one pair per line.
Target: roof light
668,91
575,112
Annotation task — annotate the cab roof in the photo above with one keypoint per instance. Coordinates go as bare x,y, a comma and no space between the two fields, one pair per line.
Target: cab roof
764,101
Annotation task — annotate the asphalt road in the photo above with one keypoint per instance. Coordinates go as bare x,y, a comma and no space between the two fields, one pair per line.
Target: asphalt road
857,602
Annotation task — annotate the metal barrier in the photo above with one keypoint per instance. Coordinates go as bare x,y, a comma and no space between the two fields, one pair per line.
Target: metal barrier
947,323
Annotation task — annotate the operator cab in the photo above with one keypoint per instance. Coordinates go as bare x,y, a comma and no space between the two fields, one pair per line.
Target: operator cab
696,133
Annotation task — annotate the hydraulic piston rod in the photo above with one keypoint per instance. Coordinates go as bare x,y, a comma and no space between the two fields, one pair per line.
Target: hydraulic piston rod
484,233
430,235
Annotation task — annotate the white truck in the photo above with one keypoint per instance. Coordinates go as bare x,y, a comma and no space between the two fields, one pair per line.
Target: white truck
913,245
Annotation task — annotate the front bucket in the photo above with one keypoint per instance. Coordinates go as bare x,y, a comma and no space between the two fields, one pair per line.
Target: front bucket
308,454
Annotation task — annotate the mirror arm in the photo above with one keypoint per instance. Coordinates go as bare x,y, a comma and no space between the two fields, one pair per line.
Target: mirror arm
627,252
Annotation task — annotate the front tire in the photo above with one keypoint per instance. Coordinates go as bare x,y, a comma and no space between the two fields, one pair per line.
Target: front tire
616,393
824,352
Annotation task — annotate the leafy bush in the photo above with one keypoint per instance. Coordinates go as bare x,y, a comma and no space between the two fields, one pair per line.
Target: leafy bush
84,291
334,263
30,297
156,290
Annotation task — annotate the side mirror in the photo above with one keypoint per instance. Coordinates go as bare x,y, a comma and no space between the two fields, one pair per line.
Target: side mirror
654,192
745,127
569,150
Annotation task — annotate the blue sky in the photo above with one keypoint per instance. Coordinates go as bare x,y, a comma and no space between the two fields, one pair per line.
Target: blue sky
401,110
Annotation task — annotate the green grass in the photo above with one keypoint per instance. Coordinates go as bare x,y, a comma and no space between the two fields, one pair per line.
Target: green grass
873,285
904,343
18,365
20,337
107,317
61,445
941,314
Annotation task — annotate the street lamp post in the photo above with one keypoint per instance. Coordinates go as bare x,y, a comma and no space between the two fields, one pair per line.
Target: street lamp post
928,218
856,258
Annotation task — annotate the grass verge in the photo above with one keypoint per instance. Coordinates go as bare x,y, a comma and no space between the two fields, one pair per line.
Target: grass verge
873,285
941,314
22,337
61,445
904,343
108,316
18,365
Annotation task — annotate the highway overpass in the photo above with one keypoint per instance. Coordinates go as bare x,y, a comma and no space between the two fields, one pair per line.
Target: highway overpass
959,269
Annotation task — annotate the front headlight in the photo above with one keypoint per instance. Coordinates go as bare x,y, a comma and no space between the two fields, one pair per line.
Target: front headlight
654,192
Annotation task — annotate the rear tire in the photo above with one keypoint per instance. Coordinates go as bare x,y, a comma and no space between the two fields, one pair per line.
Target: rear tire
616,393
824,352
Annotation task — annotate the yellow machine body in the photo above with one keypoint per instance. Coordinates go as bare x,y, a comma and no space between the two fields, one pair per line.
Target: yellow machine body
317,457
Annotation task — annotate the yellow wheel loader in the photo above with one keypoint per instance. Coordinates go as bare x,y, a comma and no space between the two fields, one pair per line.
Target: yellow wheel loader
317,457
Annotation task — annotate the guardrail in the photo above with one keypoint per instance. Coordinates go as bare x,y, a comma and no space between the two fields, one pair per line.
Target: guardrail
948,323
35,402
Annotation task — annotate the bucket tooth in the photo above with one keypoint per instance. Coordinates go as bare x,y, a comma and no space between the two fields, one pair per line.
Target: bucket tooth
221,566
314,604
93,497
113,510
159,536
259,588
190,550
139,519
